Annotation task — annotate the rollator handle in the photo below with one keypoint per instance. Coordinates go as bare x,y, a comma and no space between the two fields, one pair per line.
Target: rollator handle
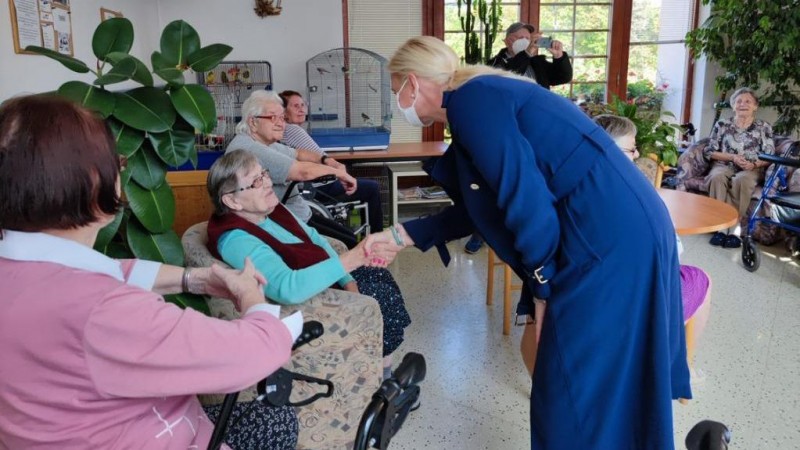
311,330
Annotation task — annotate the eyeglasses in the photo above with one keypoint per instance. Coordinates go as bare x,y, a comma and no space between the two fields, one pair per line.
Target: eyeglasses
257,183
631,151
275,118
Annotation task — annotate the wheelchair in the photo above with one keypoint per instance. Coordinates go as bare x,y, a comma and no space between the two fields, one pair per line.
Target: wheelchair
382,418
328,206
785,206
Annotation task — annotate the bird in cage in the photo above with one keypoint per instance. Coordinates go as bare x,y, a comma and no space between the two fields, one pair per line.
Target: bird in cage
367,119
210,78
223,77
322,70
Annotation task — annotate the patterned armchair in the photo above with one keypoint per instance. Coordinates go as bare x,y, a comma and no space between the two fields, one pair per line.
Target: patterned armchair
348,354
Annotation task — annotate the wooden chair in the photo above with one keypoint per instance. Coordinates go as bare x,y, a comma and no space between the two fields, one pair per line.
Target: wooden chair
508,287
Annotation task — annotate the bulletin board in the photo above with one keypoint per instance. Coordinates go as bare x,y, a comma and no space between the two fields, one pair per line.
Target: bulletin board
46,23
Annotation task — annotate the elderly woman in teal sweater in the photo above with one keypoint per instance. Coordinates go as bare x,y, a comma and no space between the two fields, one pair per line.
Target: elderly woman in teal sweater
249,222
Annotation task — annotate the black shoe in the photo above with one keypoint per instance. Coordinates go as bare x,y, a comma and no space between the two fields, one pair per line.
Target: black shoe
718,239
732,241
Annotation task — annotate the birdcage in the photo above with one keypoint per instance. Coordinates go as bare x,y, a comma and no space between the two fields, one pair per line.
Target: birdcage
230,83
348,100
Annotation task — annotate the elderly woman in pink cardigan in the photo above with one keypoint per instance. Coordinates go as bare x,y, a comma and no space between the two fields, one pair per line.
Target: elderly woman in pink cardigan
92,355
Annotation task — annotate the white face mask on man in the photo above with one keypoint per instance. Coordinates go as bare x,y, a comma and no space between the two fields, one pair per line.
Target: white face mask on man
410,113
520,45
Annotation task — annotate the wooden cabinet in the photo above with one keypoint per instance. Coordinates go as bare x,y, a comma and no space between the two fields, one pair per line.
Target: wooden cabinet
192,204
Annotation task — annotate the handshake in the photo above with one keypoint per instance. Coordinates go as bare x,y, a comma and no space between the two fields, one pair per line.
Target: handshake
380,249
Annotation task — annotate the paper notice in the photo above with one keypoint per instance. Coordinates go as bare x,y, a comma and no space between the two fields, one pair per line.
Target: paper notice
28,23
44,9
61,20
48,36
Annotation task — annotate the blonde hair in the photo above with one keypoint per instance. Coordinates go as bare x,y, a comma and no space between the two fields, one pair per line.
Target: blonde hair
431,59
616,126
254,106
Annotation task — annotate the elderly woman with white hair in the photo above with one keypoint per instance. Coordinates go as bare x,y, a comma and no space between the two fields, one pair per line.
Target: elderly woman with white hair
733,149
260,131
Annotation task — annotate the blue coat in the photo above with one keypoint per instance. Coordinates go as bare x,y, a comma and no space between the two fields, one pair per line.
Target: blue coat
549,190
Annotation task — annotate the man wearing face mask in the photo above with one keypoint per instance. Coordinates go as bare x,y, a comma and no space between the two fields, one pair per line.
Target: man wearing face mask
521,56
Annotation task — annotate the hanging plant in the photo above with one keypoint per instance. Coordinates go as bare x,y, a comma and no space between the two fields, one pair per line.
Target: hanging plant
153,127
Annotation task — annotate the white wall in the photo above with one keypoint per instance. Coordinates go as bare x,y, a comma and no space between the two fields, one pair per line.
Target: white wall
22,73
303,29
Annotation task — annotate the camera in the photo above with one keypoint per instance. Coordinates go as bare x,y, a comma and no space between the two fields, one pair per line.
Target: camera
544,42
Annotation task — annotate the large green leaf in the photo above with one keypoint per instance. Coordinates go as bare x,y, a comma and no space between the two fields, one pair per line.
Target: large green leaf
173,146
207,58
168,72
163,247
69,62
112,35
155,208
184,300
146,168
145,108
123,70
195,104
178,41
107,233
128,139
142,74
89,96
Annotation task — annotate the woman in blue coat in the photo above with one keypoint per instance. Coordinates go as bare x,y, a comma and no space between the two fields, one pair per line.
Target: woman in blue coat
560,203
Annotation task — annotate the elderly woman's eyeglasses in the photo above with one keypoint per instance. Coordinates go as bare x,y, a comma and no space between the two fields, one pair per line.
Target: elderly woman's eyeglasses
630,151
275,118
257,183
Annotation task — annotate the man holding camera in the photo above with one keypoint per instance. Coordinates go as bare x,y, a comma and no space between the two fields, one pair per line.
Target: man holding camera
521,56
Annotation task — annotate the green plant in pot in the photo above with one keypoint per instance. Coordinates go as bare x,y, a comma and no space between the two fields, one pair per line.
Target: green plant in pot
154,128
654,135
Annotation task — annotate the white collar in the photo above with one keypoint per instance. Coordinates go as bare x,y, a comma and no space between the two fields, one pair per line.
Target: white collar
43,247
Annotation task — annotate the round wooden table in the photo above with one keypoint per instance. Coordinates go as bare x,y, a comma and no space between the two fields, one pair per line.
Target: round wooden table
697,214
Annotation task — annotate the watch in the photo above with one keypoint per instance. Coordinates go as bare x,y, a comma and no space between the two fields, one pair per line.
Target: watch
323,159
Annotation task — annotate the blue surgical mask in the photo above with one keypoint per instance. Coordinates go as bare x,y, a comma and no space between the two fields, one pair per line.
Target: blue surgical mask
410,113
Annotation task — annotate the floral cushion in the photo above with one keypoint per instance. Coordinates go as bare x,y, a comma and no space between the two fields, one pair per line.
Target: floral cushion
348,354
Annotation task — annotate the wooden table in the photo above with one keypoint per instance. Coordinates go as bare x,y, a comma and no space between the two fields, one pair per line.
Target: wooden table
697,214
412,151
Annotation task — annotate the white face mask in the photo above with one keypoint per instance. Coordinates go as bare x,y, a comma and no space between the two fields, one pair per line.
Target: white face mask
520,45
410,113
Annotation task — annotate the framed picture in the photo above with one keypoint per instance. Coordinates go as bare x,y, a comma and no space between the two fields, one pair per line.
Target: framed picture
106,13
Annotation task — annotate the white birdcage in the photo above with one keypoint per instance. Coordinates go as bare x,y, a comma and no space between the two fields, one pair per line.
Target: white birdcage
231,83
349,100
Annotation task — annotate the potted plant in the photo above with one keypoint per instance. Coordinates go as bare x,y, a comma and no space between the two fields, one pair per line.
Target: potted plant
154,127
755,42
489,15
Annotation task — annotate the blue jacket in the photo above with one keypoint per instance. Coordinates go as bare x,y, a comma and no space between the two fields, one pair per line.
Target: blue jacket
554,197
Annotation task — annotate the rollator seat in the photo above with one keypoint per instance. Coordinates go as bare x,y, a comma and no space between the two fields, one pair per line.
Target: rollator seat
788,199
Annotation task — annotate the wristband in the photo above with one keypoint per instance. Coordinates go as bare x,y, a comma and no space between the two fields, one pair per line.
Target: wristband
323,159
185,280
396,235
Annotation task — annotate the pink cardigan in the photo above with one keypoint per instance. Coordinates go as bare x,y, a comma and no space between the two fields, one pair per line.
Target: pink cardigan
89,361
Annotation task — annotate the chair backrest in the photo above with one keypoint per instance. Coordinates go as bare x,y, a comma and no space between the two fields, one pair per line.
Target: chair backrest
649,168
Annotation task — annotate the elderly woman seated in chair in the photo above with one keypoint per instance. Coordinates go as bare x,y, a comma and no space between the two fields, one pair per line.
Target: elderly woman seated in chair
249,221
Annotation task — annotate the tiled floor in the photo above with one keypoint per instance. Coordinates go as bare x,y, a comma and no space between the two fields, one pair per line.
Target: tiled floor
475,395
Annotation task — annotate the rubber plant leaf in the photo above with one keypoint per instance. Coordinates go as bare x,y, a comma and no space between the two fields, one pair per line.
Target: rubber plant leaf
112,35
164,247
196,105
142,74
89,96
173,146
146,168
178,41
208,57
168,72
145,108
155,208
123,70
69,62
128,139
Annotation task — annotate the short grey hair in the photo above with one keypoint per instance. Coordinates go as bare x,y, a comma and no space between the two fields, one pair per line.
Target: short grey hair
223,176
616,126
744,90
254,106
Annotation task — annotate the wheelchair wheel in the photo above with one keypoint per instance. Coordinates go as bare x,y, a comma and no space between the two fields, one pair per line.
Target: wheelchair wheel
320,209
751,256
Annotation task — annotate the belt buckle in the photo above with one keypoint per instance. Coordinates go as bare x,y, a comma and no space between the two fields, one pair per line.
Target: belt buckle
520,320
538,275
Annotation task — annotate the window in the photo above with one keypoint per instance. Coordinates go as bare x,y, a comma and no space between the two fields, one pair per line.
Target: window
658,59
583,27
455,36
